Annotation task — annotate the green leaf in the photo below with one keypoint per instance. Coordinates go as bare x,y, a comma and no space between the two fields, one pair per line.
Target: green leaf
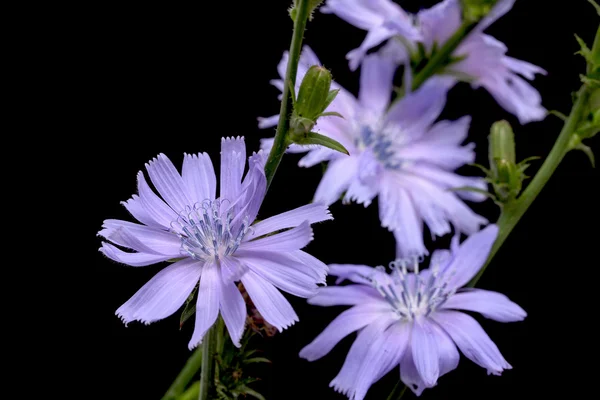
588,152
189,309
257,360
315,138
192,393
172,260
592,2
585,50
251,392
331,114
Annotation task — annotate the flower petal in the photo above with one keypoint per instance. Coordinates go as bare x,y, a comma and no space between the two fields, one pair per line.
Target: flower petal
409,374
233,310
232,269
156,208
449,132
281,270
169,183
472,340
355,273
345,381
398,213
253,190
139,212
292,239
199,176
207,306
349,295
471,255
376,83
163,294
440,22
312,213
271,304
344,324
447,351
425,351
360,13
233,162
417,111
491,305
374,37
450,180
158,240
312,265
268,122
336,180
133,259
385,353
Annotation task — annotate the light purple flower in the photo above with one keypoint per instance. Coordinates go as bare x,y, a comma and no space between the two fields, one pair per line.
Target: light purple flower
411,319
217,243
485,63
398,153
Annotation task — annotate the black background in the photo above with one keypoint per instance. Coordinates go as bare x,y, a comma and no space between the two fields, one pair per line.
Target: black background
175,78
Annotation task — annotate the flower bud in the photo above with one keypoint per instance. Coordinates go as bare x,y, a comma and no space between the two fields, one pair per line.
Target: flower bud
502,143
475,10
313,93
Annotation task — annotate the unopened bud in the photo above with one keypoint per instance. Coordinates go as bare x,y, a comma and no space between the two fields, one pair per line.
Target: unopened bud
502,143
475,10
313,93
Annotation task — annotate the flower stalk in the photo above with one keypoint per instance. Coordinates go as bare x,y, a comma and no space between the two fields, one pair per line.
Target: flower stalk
512,212
283,127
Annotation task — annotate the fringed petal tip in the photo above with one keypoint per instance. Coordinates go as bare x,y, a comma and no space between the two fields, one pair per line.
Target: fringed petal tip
127,320
232,139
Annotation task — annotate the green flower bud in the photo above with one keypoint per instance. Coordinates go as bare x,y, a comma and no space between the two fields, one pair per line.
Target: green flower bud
501,143
313,93
474,10
505,174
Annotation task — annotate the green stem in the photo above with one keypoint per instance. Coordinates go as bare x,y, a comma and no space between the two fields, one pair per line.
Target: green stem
398,391
441,57
185,376
595,51
208,362
281,140
513,212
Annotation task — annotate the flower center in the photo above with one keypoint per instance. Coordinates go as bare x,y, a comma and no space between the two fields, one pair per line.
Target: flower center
382,143
414,294
208,231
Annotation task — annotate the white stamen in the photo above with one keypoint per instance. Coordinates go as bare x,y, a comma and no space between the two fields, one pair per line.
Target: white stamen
412,293
206,230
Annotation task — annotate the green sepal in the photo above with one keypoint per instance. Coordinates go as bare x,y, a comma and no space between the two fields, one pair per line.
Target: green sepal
558,114
588,152
318,139
189,309
331,114
330,97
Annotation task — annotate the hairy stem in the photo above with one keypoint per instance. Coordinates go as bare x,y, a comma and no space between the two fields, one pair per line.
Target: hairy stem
281,143
513,212
208,362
